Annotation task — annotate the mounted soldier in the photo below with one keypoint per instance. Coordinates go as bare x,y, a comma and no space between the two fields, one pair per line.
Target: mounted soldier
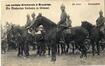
63,22
28,20
63,17
68,21
100,22
33,17
39,15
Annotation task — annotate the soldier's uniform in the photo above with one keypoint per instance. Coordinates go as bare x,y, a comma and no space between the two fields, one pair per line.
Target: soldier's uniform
20,45
4,45
33,20
28,20
41,41
39,15
100,21
33,17
62,22
68,21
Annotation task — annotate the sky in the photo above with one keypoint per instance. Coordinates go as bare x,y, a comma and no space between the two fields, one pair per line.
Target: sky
77,13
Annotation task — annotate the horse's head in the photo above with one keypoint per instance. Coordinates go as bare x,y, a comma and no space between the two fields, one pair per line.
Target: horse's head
47,24
37,22
87,25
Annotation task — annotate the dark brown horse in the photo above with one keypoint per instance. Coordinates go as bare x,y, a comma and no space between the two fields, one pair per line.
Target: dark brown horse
95,35
77,34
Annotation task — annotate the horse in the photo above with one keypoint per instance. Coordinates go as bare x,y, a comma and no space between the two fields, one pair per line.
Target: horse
95,36
77,34
11,39
20,37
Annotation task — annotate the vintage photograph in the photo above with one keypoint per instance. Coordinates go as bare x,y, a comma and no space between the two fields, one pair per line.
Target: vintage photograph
52,32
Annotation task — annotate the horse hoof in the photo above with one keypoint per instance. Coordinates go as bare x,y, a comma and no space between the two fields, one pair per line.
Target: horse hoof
53,60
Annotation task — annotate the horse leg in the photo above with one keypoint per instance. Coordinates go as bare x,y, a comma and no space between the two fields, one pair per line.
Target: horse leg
102,46
85,51
67,49
43,49
33,47
19,50
38,47
48,49
73,47
53,53
9,46
81,50
26,50
62,48
58,48
93,48
98,48
40,50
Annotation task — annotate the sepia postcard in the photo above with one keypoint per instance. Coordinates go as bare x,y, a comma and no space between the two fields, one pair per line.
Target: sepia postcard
52,32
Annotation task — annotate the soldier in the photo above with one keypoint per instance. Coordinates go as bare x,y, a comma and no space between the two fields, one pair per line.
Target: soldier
4,45
43,33
20,44
28,20
39,15
33,20
62,23
100,21
41,42
33,17
63,17
68,21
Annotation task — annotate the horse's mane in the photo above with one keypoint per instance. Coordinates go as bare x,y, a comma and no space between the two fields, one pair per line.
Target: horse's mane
48,21
87,25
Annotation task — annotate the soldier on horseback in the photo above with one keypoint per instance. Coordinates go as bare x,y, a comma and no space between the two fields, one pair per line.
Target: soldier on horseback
33,17
68,21
64,22
28,20
39,15
63,17
100,21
